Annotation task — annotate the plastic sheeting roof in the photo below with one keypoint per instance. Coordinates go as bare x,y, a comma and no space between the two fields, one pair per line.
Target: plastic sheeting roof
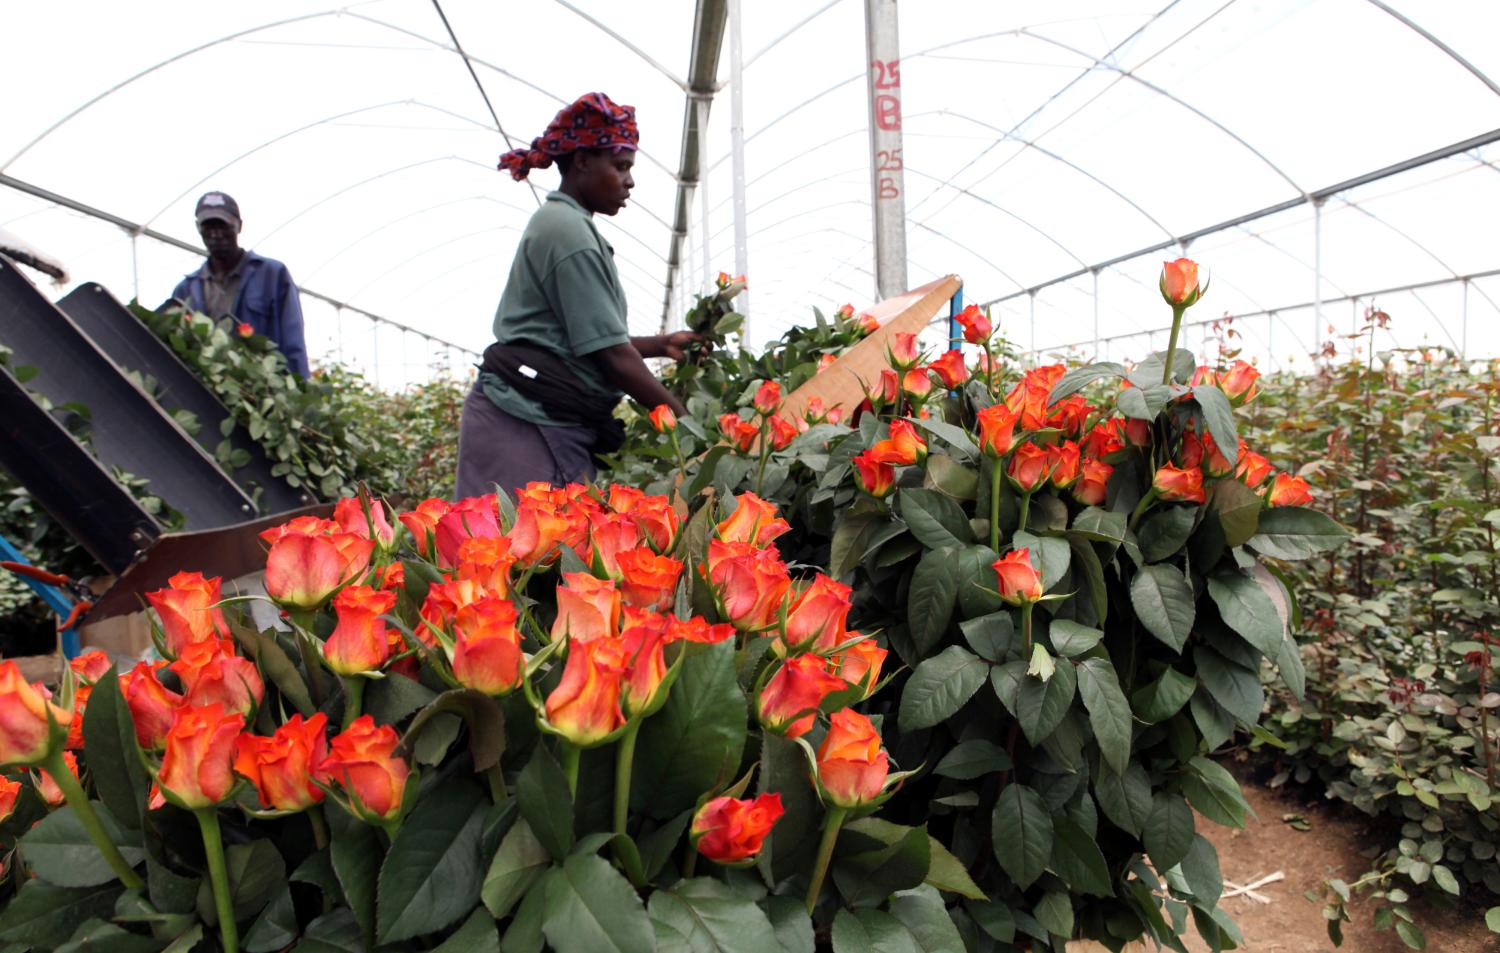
1042,139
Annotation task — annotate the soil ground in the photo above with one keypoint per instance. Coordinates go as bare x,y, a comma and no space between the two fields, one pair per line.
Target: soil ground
1291,923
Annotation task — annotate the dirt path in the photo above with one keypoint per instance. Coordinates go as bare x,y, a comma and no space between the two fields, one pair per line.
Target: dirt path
1291,923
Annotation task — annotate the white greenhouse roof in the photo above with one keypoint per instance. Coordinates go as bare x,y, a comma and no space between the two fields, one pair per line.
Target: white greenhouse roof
1055,153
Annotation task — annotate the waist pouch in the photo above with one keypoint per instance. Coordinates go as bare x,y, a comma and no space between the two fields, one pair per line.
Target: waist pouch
540,375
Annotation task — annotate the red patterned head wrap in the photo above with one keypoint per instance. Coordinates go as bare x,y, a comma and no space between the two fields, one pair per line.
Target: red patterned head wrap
591,122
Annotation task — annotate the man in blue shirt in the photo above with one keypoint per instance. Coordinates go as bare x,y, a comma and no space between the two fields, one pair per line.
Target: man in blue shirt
239,284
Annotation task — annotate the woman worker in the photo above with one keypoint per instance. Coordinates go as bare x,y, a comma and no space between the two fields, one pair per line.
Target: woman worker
563,353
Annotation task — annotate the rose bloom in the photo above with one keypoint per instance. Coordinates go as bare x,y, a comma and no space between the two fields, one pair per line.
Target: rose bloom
753,521
1020,582
976,324
904,447
789,703
1066,464
901,351
649,581
475,517
587,609
1288,490
197,769
282,767
1104,440
244,330
1093,485
585,705
422,522
542,527
363,762
1179,282
486,560
875,478
1252,469
359,642
916,384
1177,485
1069,415
1138,432
768,398
749,584
1215,464
663,419
1239,383
441,606
653,516
740,433
728,830
646,665
868,323
302,571
844,313
814,412
1190,454
212,674
890,386
1029,468
1030,395
152,705
188,610
852,766
486,654
9,792
47,786
783,432
609,535
860,663
836,415
997,425
826,361
817,616
80,705
350,516
697,629
91,666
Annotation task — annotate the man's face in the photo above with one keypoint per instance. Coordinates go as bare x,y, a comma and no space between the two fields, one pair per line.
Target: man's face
606,181
219,237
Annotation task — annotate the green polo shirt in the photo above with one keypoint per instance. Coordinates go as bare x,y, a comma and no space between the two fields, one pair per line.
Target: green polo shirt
563,294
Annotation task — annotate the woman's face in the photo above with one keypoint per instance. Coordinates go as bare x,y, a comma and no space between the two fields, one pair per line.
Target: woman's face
604,180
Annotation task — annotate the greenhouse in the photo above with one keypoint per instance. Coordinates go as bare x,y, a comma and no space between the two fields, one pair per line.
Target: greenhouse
733,477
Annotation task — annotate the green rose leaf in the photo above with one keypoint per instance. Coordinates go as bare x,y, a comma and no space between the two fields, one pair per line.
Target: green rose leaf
1125,797
1158,700
972,759
1247,609
1022,833
1239,510
930,601
1109,713
875,858
1076,858
935,518
1214,792
713,918
1078,378
433,872
1295,532
1071,639
1041,705
545,802
1163,601
517,865
1169,830
1166,532
1219,415
940,686
922,912
114,765
591,908
60,850
871,931
44,915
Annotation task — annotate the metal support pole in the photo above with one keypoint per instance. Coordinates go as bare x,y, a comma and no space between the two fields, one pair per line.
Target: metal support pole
1463,347
737,153
1096,313
1317,276
708,264
887,181
955,335
135,265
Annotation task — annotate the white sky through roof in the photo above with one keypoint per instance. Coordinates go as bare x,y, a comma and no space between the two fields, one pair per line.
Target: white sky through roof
1041,139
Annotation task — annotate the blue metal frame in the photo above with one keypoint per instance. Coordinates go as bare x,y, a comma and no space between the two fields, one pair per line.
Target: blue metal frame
955,306
57,600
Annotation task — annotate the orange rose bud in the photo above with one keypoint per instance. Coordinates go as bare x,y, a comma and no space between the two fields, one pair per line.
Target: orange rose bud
697,629
486,652
902,352
783,432
363,762
197,769
789,703
1177,485
1020,582
1029,468
282,767
646,665
729,830
91,666
826,361
80,705
587,609
152,705
349,513
1190,454
1239,383
997,426
359,642
1252,468
474,518
441,606
868,323
976,324
187,610
9,792
749,583
740,433
1215,464
302,572
844,313
1138,432
211,672
950,369
916,384
753,521
663,419
852,766
817,616
890,386
904,447
1288,490
244,330
653,515
26,737
1104,440
609,535
422,522
487,561
541,529
649,581
860,664
875,478
47,786
1179,283
1093,485
1069,415
768,398
585,705
1066,464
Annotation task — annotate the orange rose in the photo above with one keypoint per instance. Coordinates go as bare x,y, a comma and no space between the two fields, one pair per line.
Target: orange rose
75,727
783,432
860,664
740,433
868,323
1178,485
585,705
904,447
728,830
1093,484
789,703
1239,383
950,369
587,609
902,352
187,609
646,663
212,674
609,535
875,478
197,769
152,706
302,572
916,384
244,329
1029,468
1030,395
649,581
422,524
487,561
47,786
652,514
749,584
541,529
753,521
826,361
359,642
282,767
852,766
768,398
1138,432
663,419
890,387
1019,580
697,629
1069,415
486,652
363,762
1288,490
1215,464
474,518
350,515
1190,454
976,324
1066,464
1179,283
1252,468
26,737
1104,440
441,606
817,616
9,792
91,666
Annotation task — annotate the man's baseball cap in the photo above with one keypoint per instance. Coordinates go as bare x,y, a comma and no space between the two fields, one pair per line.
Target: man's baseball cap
216,206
